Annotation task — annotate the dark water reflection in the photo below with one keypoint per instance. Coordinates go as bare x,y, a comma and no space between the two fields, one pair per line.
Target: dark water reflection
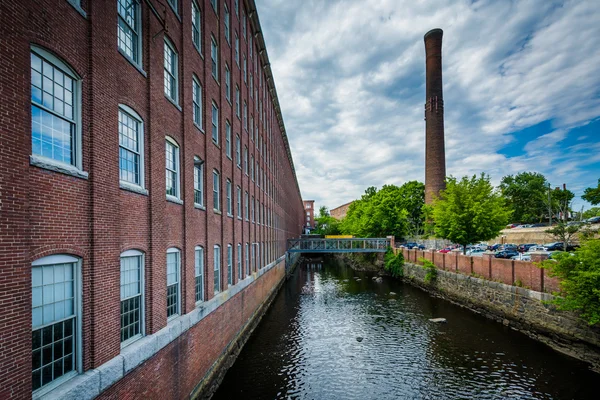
306,347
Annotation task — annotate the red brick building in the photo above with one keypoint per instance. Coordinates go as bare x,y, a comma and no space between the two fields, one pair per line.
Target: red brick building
146,193
340,211
309,211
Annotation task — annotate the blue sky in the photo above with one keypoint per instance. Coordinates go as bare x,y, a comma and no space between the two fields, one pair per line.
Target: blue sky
521,89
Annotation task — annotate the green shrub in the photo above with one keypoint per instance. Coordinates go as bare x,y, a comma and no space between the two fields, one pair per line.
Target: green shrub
394,263
431,269
579,275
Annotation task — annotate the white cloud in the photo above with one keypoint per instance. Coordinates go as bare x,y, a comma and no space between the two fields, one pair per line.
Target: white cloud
350,79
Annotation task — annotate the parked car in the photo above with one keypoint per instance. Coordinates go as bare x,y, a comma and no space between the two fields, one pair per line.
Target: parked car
412,245
508,247
523,248
522,257
506,254
494,247
475,252
446,250
593,220
537,225
556,246
510,226
536,248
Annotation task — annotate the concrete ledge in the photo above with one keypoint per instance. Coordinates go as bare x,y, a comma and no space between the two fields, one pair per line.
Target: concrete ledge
91,383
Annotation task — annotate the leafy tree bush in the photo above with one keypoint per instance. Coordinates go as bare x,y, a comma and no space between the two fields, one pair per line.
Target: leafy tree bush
431,269
527,195
394,263
469,211
325,224
580,280
392,210
563,233
592,212
592,194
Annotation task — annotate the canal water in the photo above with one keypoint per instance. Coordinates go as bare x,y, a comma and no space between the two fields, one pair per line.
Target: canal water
330,336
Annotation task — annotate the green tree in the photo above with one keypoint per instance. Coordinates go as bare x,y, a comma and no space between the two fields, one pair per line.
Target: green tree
412,199
592,212
563,233
579,280
469,211
561,202
527,195
592,194
325,224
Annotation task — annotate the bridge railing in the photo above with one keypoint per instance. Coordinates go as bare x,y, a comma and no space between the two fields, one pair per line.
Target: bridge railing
342,245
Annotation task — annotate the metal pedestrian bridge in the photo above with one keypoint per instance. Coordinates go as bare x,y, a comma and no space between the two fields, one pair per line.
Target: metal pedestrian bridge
345,245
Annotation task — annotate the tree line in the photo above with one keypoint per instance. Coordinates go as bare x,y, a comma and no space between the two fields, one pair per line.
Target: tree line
469,210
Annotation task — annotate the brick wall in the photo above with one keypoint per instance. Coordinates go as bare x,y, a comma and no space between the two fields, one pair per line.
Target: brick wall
510,272
44,212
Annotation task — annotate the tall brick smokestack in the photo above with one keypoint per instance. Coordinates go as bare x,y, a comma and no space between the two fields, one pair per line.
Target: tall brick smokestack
435,155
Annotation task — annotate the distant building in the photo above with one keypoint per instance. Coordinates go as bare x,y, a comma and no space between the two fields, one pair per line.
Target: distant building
341,211
309,211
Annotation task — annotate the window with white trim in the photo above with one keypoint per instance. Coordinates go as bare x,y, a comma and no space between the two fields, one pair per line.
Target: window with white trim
198,182
214,57
239,202
197,101
245,116
132,302
171,72
175,5
253,209
226,23
129,24
253,261
217,268
237,49
246,160
252,167
245,69
237,7
55,109
215,123
229,199
238,151
172,168
237,101
246,206
229,265
247,261
131,147
196,27
244,24
199,273
55,317
239,261
228,139
215,5
216,191
173,279
227,83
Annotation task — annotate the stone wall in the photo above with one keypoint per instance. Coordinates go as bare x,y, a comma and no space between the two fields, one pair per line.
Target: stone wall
525,310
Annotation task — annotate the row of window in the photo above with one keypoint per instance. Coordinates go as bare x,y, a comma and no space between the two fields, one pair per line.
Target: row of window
56,294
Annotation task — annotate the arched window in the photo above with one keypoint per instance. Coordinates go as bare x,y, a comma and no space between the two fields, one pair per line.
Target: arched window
173,282
132,292
55,112
199,273
131,147
56,318
172,167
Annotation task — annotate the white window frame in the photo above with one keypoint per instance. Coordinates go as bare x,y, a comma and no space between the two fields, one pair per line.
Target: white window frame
246,160
229,199
199,181
228,139
214,119
229,265
247,259
177,171
197,92
78,311
237,101
247,205
140,121
239,261
172,250
217,287
201,274
214,57
239,201
237,49
227,83
136,60
227,23
141,255
215,6
174,74
76,166
216,191
197,25
238,151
